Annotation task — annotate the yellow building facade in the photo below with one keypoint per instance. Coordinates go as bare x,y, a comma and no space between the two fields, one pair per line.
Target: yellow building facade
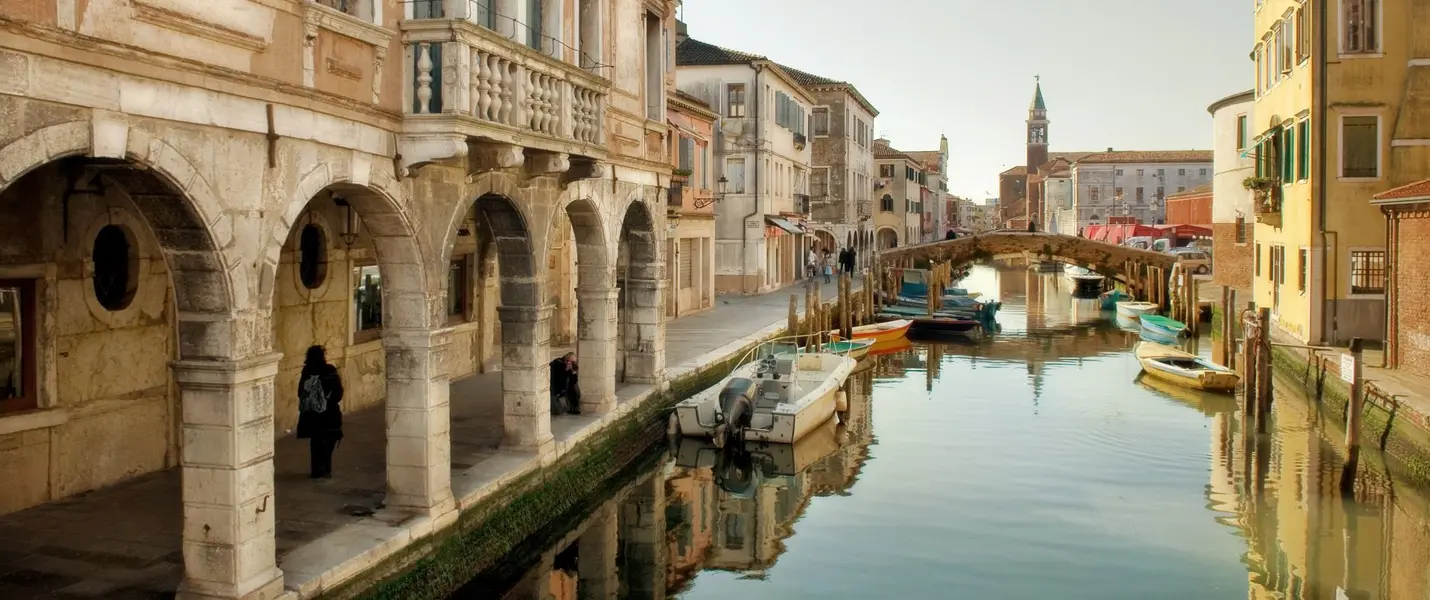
1332,125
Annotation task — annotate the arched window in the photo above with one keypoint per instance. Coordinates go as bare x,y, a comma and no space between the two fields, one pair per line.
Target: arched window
115,268
886,203
312,256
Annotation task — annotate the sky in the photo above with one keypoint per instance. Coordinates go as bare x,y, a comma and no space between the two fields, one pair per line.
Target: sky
1125,74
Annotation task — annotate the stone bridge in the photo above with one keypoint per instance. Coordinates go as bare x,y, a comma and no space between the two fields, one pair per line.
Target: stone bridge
1123,263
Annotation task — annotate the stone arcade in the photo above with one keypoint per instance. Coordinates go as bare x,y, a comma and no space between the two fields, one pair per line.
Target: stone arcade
190,199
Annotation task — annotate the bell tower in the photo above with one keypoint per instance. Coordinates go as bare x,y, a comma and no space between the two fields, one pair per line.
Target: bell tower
1037,129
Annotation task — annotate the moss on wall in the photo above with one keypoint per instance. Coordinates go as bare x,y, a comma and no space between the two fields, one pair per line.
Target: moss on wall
437,566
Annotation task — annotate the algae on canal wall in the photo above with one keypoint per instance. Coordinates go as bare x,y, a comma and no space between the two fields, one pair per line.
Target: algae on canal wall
436,566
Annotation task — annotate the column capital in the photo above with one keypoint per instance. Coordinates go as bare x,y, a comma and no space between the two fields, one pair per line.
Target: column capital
597,294
225,373
417,338
525,314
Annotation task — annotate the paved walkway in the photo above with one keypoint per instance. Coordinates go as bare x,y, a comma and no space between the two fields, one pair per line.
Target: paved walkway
124,541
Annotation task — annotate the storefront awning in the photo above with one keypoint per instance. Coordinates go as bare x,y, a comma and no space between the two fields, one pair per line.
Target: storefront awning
785,224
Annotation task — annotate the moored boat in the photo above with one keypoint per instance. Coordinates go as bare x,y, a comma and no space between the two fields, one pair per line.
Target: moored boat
1160,327
1110,298
778,397
879,332
1184,369
856,349
1135,310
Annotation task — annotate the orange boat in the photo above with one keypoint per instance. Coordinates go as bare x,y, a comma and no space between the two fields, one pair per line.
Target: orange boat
880,332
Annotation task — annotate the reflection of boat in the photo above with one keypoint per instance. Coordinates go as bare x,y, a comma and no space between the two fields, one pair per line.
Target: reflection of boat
1207,403
1135,310
1184,369
891,347
765,459
778,397
880,332
1160,329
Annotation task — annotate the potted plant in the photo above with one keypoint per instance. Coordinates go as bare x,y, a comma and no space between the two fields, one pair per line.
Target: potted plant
1264,188
680,175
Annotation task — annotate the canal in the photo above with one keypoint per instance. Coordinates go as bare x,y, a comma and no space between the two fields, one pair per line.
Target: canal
1032,464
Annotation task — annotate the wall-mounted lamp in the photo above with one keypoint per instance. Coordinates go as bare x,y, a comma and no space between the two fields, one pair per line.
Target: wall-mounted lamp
720,185
349,234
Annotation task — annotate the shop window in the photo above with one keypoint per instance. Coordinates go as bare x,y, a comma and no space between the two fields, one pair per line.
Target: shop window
312,256
367,303
17,346
115,275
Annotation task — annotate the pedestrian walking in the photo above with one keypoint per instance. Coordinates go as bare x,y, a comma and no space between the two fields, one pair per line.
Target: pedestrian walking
824,265
320,414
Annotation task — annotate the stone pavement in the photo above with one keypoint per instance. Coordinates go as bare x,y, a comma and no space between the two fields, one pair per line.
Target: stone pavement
123,541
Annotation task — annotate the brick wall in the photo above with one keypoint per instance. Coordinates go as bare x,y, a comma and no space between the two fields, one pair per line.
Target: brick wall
1412,296
1233,264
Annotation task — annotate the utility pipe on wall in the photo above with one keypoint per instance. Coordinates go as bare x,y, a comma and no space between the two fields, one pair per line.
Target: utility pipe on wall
755,210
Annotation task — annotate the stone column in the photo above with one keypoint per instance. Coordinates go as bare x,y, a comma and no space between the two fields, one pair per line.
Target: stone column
526,376
596,349
419,422
227,460
643,525
644,330
599,545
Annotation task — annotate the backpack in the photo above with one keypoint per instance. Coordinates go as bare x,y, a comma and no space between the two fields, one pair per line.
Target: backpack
312,397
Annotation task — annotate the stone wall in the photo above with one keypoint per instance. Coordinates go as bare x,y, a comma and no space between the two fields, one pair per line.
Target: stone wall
1234,264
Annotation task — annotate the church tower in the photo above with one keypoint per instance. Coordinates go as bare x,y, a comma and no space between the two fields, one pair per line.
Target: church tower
1037,129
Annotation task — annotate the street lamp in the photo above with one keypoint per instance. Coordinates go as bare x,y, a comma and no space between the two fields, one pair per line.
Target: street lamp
720,185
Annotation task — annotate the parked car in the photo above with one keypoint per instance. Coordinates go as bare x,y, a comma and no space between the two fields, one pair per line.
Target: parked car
1196,261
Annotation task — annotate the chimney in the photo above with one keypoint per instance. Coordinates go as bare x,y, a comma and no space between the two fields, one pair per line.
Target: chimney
1109,148
680,32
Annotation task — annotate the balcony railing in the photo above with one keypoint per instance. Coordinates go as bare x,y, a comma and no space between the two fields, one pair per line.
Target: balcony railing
456,68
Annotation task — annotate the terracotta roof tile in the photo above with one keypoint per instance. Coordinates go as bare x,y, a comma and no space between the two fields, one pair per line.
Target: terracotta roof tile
695,52
807,78
1148,156
1417,190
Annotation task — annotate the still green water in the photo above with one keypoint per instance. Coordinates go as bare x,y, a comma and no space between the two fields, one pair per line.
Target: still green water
1033,464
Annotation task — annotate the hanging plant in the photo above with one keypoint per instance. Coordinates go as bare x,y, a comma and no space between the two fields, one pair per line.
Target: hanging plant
1260,184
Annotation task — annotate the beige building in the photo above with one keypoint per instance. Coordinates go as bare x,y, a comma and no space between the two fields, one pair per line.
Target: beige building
899,190
694,190
191,194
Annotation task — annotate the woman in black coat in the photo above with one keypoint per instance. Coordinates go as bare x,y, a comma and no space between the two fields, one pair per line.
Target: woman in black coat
320,414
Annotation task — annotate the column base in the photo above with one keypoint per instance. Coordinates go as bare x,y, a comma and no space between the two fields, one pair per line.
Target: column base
268,586
418,505
597,406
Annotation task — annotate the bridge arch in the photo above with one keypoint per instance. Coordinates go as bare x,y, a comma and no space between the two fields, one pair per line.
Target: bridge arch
1109,260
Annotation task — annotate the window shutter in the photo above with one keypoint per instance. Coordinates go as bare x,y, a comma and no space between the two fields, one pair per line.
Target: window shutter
687,264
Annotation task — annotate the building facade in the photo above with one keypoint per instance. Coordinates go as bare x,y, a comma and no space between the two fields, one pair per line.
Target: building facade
901,182
1233,220
691,206
1190,207
192,196
935,220
1338,92
763,151
1057,195
841,184
1134,184
1407,213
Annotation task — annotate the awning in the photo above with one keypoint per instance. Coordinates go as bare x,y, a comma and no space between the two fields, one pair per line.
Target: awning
1184,230
785,224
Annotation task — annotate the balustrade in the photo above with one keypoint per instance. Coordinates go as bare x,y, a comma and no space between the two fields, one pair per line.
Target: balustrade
458,69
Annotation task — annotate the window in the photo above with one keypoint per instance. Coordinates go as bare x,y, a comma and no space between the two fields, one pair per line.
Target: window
1161,192
312,257
426,9
458,289
1278,265
533,27
1181,188
1303,35
1288,155
1303,150
1360,20
1117,193
735,175
819,124
1360,146
1202,172
1240,229
1181,172
735,100
687,153
685,277
17,346
1302,268
654,58
347,6
367,303
886,170
1258,260
1241,132
704,152
1367,271
1092,194
1119,172
1139,193
1261,83
1287,39
1139,172
886,203
1161,172
819,182
115,268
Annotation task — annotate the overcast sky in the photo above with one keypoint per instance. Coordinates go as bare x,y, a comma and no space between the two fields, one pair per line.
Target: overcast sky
1127,74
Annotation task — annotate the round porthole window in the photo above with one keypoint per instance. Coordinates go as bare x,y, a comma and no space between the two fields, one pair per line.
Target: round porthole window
115,268
312,257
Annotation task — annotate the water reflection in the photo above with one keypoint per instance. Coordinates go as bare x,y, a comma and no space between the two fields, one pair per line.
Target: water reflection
1112,485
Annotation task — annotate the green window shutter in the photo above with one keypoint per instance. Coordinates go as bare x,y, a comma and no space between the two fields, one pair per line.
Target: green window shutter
1303,154
1288,153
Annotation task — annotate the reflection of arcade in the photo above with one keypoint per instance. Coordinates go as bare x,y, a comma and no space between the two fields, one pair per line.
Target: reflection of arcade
705,509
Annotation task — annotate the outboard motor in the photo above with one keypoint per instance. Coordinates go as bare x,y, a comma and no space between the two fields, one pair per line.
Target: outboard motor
737,402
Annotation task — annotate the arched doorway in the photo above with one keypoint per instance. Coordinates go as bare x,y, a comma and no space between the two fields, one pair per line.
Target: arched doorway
824,241
887,238
641,334
596,316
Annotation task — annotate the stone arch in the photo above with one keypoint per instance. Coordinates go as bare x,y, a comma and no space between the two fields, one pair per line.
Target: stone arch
596,298
642,327
1109,260
886,238
825,239
642,246
592,254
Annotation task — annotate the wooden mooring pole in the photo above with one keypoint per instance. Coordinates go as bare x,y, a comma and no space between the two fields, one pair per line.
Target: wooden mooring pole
1250,351
1354,412
793,324
846,302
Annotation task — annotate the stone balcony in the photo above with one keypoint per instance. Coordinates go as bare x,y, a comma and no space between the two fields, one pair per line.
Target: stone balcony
468,85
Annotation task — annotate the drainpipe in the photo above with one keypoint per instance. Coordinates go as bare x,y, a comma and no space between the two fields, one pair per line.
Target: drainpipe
1322,107
759,144
1392,285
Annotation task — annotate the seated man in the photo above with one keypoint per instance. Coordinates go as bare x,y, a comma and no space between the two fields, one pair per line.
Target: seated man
565,393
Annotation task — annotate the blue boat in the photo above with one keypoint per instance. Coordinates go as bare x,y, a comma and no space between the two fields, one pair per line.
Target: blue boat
1110,298
1157,328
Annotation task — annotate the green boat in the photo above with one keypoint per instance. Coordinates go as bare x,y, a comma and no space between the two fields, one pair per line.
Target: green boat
1162,328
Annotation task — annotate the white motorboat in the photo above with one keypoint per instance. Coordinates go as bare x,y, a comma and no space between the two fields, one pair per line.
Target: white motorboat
1133,311
778,397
